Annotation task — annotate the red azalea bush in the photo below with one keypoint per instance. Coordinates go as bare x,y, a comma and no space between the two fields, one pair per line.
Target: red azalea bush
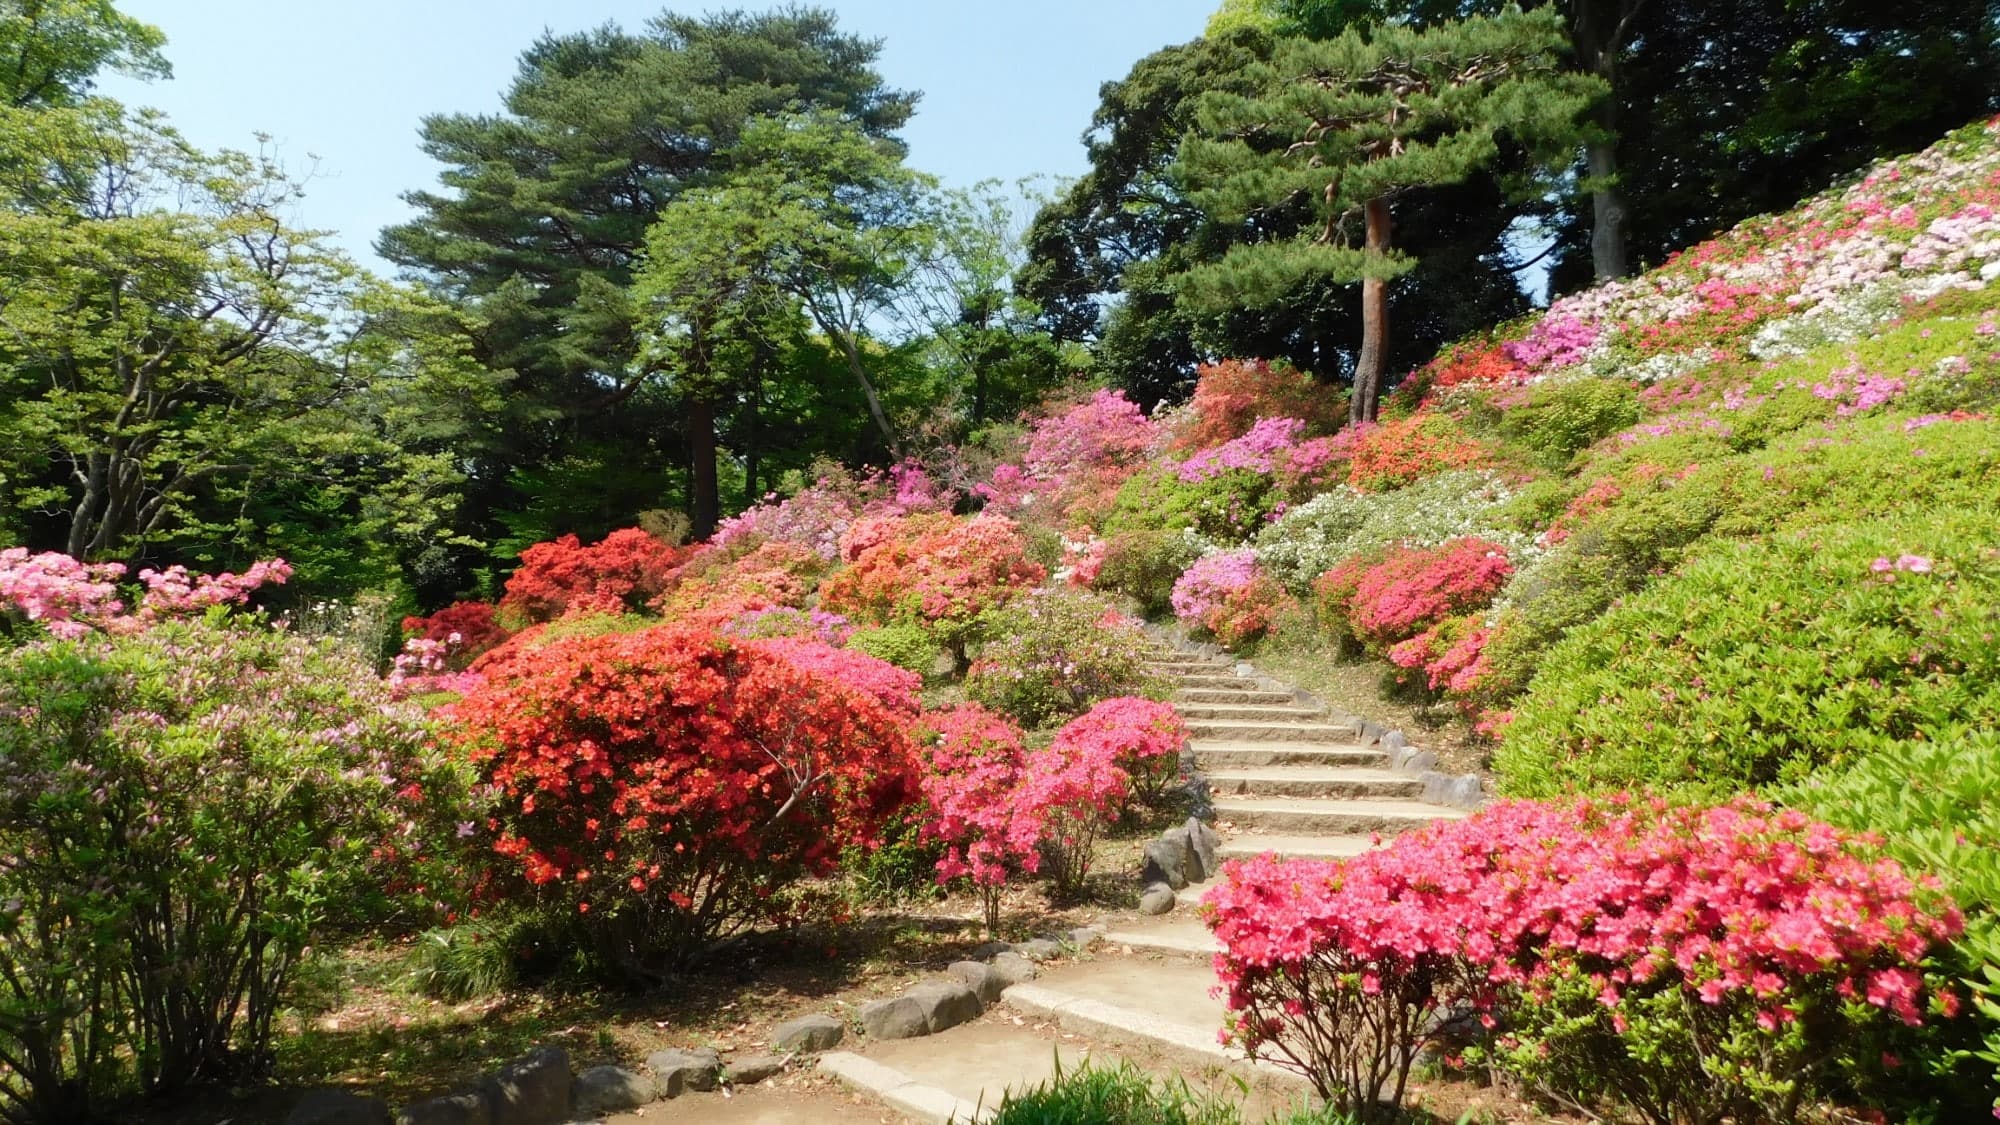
467,629
1074,792
1410,590
668,782
1451,655
1230,396
620,573
939,570
1697,963
1143,737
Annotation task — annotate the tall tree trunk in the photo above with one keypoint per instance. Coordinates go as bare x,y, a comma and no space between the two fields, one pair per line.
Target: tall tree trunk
752,420
706,504
1374,320
1598,28
1611,213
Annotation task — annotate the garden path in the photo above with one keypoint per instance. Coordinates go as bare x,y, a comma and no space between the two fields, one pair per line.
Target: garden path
1284,778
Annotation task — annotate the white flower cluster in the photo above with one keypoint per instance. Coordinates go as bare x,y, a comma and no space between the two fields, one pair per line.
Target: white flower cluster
1311,538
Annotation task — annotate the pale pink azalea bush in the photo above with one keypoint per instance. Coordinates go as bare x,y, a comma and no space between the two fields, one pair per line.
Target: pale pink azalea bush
1695,963
1228,596
71,599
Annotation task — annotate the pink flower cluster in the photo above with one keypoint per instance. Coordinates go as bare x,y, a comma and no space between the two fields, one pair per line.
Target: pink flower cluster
1453,663
1854,389
1414,589
427,666
1271,447
1739,906
1076,457
1229,595
64,595
71,598
1142,737
174,592
999,807
1554,342
896,688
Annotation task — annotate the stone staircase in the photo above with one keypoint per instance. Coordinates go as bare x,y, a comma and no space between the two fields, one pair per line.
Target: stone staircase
1283,777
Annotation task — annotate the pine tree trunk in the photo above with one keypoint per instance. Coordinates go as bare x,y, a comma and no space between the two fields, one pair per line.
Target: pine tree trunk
705,501
1598,29
1374,320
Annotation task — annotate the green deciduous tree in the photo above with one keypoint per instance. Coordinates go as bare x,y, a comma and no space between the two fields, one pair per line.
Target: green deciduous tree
1344,127
173,354
51,50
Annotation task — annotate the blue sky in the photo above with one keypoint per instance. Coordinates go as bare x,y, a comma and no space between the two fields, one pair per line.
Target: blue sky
1008,87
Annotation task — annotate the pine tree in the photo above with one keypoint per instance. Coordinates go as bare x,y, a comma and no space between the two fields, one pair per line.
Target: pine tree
1343,127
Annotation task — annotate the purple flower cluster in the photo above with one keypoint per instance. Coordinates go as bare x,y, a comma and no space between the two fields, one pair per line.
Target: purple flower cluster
1211,579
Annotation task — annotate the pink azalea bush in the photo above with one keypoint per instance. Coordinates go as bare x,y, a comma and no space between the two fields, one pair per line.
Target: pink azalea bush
71,599
1001,809
1142,737
1392,598
1228,596
1699,963
972,772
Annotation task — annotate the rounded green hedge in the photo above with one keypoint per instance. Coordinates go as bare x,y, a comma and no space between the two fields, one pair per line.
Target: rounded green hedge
1759,661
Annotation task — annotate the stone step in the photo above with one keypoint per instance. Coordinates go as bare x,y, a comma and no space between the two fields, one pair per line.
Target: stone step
1306,816
1161,1006
1221,754
1189,663
1249,712
1183,934
1232,695
1247,844
1250,730
1314,781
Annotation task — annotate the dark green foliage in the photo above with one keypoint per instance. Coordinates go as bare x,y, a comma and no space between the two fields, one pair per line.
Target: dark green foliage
539,228
1336,130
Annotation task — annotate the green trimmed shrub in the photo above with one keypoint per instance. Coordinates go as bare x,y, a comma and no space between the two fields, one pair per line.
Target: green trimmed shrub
905,644
1560,420
1144,565
1759,662
1227,508
1936,807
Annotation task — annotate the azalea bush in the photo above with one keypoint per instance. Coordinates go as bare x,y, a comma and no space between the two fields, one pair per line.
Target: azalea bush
937,570
1227,596
1230,398
1759,662
1077,454
184,811
51,593
1051,654
467,629
668,783
620,573
1144,565
1692,964
1555,421
1396,452
973,765
1406,591
1228,505
1313,537
1935,806
1142,737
